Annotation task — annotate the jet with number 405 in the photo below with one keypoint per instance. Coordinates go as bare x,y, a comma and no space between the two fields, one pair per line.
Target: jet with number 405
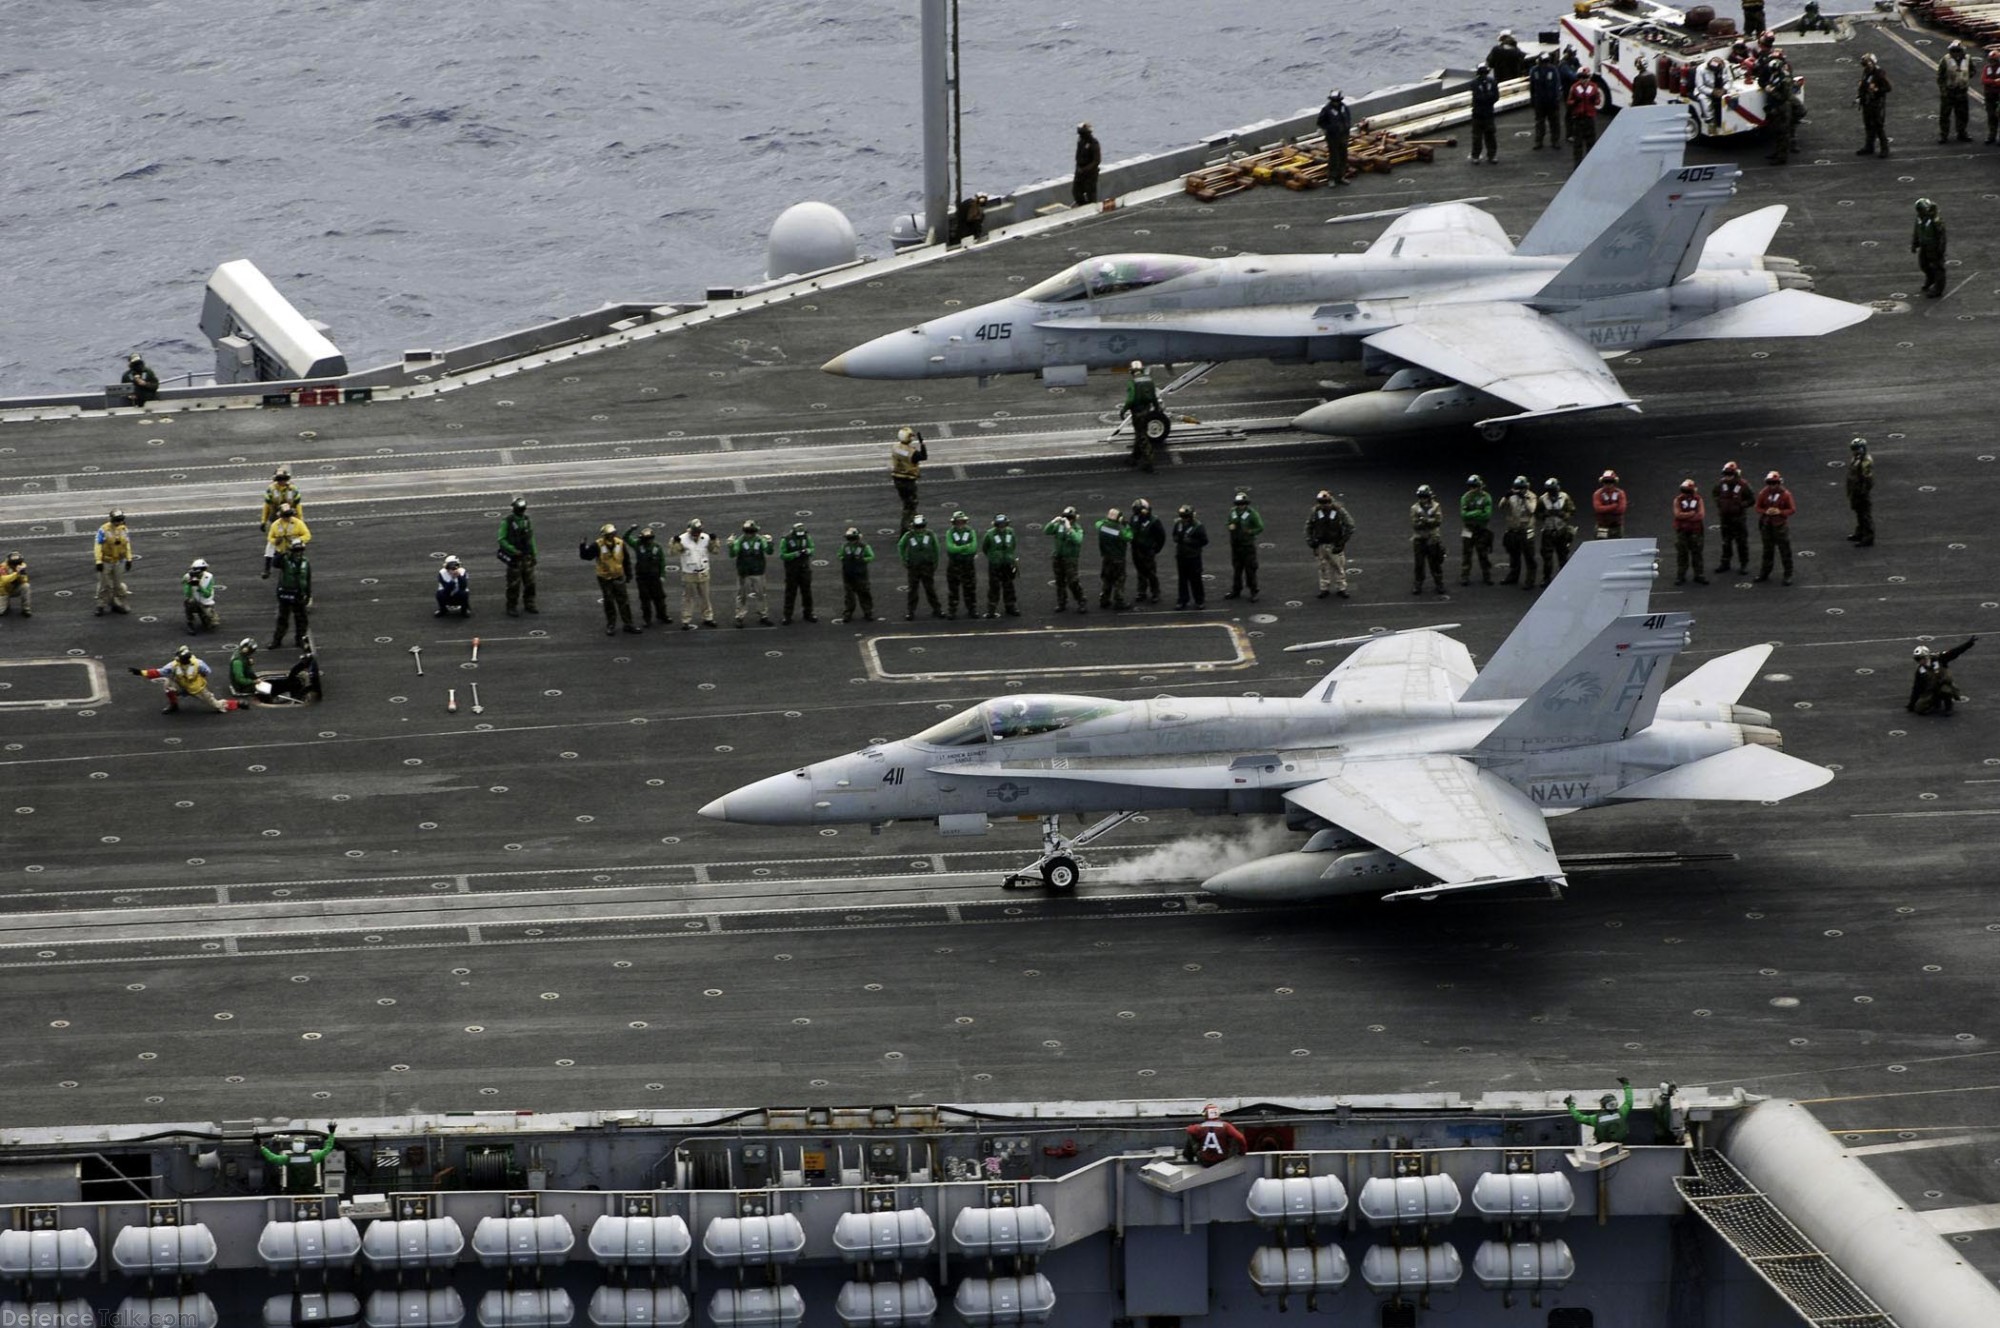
1469,327
1410,771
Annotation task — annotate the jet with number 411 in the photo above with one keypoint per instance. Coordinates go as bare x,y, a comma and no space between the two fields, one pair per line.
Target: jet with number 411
1469,327
1410,772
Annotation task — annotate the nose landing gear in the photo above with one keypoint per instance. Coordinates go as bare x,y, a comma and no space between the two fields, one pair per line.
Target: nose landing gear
1058,867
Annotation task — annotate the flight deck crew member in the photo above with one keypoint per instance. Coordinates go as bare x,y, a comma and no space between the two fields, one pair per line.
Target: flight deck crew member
1873,97
649,568
144,382
1753,16
198,596
1067,553
1784,108
454,588
1954,82
1775,510
961,566
295,583
1426,543
285,527
187,676
1089,157
280,491
1337,123
1861,492
243,670
1733,501
1690,528
1989,87
795,551
1213,1139
1645,86
517,549
906,457
693,548
1244,527
1555,521
299,1166
1583,100
1328,528
750,549
1545,95
1712,90
1475,532
613,566
1114,537
1149,536
112,547
1507,59
14,585
1927,242
1609,505
1142,404
1003,567
1932,691
918,549
855,555
1518,534
1190,538
1485,114
1611,1123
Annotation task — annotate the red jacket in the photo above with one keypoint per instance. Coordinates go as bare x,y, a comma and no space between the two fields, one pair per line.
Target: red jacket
1609,502
1215,1140
1690,513
1584,98
1989,77
1775,506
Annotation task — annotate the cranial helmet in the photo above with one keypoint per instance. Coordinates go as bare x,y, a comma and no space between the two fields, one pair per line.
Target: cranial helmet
905,434
852,533
1323,497
1474,482
1609,1102
1111,514
1185,510
1141,505
1773,477
1137,365
957,517
646,534
1423,491
1859,444
1688,485
750,525
1000,519
1608,477
694,523
798,528
1520,481
117,515
200,565
184,654
1731,468
1552,484
247,646
607,529
520,504
296,544
1211,1112
284,509
918,521
1921,652
451,560
283,473
1069,512
1242,497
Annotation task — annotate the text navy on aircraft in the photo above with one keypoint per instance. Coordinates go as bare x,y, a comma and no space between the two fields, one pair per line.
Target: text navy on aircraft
1470,327
1414,773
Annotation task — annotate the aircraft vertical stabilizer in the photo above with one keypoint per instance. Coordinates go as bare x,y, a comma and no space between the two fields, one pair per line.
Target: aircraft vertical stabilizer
1642,144
1654,244
1607,691
1603,581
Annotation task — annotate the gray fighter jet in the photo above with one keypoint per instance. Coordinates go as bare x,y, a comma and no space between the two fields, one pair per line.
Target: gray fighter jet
1469,327
1412,772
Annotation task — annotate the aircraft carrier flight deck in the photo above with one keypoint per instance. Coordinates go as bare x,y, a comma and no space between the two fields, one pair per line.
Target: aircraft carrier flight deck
373,906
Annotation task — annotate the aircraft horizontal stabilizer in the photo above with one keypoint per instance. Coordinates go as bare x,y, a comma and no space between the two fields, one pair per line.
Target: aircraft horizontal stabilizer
1742,238
1741,774
1785,313
1723,679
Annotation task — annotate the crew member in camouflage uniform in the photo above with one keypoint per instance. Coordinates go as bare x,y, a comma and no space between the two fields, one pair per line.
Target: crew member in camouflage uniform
1003,567
517,549
918,550
1475,531
1067,531
751,551
1556,520
795,551
1426,543
1861,492
1518,537
961,566
855,555
1244,528
1328,528
1733,500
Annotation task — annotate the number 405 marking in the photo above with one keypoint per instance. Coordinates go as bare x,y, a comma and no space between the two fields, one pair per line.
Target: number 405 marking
994,332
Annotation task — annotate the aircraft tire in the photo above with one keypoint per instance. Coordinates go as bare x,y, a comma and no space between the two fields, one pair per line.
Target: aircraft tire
1493,433
1156,428
1060,873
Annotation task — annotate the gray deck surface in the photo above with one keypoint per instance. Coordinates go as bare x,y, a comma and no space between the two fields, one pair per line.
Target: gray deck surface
373,905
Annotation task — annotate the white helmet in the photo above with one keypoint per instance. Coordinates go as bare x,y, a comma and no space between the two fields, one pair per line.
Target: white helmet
1137,365
198,565
1921,652
905,434
451,560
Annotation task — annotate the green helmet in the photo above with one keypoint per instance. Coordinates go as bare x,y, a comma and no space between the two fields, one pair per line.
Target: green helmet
1926,208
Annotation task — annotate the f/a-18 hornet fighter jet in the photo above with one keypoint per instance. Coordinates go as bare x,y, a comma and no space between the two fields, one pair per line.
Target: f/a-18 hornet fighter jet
1469,327
1412,772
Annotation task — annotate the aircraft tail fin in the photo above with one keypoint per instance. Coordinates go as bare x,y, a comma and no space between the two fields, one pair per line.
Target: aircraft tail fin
1607,691
1604,580
1642,144
1656,242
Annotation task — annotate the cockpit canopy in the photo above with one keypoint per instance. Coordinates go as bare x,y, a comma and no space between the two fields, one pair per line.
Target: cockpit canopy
1114,274
1009,717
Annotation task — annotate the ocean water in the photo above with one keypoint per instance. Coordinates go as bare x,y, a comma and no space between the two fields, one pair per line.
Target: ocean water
426,174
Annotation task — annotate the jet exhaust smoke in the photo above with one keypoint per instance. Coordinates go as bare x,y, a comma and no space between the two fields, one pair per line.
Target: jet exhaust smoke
1198,857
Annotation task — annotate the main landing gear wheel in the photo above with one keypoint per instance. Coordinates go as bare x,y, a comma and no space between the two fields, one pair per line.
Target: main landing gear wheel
1058,868
1493,432
1155,428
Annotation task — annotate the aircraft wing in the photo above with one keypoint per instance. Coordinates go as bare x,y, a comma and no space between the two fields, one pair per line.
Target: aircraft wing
1509,350
1785,313
1445,230
1405,667
1441,814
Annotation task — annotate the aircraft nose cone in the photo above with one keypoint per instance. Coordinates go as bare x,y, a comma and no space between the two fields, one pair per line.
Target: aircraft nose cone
904,354
716,811
785,799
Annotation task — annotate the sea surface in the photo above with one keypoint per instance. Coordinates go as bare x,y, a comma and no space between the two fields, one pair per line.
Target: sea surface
425,174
